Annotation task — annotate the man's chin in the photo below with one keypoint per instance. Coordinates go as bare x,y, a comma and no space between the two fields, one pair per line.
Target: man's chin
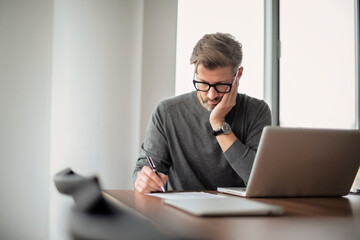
209,107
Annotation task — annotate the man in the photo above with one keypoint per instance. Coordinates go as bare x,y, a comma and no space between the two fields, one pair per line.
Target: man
206,138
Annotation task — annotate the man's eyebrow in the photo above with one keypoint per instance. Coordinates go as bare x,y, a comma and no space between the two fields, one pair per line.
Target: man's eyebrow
221,82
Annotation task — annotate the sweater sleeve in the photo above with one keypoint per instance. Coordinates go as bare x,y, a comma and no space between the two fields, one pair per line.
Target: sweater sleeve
241,155
155,144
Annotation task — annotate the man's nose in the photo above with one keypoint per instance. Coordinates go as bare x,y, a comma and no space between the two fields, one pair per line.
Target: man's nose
212,93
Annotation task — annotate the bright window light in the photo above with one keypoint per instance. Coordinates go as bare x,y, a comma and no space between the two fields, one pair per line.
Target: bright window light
244,19
317,64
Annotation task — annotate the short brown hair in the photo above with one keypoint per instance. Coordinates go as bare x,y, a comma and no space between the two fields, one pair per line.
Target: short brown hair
217,50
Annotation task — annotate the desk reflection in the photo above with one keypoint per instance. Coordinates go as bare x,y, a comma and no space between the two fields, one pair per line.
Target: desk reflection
337,206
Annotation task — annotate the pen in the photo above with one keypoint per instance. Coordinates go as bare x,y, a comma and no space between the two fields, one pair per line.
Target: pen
152,165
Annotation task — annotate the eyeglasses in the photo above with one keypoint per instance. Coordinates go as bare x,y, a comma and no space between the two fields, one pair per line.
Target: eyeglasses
219,87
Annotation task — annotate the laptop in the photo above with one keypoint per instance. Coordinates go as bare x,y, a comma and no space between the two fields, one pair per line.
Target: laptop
302,162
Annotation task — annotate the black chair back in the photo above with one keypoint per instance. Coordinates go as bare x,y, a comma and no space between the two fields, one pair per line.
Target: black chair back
95,217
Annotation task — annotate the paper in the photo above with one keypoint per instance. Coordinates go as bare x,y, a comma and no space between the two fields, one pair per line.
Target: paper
186,195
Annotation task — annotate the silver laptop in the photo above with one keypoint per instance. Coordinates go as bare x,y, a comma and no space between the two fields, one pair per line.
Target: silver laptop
302,162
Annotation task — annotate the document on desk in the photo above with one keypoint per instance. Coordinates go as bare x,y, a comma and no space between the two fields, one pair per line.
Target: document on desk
186,195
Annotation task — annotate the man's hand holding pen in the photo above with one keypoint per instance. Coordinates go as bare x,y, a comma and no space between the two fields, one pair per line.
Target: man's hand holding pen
150,180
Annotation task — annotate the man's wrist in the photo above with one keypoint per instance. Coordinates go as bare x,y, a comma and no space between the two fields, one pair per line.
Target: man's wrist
224,129
217,124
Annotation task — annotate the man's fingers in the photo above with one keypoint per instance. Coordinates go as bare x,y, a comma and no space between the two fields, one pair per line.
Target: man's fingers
147,181
143,188
164,178
144,184
153,176
230,98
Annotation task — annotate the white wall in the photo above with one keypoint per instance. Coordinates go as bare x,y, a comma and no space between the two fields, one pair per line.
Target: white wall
25,74
71,95
95,94
159,55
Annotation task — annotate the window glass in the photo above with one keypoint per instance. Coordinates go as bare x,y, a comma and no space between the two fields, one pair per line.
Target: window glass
317,64
241,18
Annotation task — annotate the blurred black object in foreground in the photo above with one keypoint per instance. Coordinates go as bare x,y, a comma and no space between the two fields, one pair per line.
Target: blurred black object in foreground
94,217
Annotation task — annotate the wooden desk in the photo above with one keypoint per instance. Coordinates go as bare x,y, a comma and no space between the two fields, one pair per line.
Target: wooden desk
304,218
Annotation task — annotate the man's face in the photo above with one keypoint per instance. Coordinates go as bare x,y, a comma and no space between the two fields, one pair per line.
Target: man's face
211,98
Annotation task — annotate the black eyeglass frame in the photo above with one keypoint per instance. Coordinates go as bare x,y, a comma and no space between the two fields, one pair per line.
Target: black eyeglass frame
214,85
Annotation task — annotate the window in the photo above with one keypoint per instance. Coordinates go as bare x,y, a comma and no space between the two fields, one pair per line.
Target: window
317,64
241,18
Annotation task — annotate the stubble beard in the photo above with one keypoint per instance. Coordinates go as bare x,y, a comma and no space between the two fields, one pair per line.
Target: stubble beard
208,106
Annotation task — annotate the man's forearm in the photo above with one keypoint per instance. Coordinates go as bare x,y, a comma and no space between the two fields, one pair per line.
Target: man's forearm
241,159
225,141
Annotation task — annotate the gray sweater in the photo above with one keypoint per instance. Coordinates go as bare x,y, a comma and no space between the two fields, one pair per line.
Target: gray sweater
180,141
